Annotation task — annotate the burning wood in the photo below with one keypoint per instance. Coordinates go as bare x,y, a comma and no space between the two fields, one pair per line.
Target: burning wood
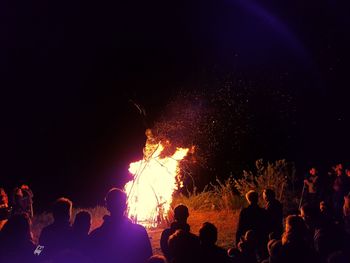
155,180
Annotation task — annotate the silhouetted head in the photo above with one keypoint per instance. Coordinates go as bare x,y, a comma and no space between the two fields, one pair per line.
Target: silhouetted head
347,172
269,195
295,229
250,236
116,202
313,171
181,213
274,247
4,201
208,234
338,169
62,210
295,223
346,206
17,196
157,259
244,247
17,229
324,207
309,213
27,193
252,197
233,253
82,222
347,197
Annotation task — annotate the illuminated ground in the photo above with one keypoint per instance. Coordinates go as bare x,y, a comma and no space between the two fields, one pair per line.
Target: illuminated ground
225,221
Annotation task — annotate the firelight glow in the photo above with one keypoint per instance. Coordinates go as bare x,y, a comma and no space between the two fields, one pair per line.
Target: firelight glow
150,192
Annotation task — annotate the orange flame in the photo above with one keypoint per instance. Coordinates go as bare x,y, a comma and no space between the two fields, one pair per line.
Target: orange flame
150,192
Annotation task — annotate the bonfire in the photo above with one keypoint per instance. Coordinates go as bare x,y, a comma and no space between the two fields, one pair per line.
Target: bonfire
155,178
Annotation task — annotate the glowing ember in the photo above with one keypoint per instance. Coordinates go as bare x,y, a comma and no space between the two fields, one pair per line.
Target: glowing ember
150,192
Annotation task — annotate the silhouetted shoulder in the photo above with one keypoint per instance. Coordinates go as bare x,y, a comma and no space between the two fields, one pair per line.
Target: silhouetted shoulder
138,228
166,233
96,232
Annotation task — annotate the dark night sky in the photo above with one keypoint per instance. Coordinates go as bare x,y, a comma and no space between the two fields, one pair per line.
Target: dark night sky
69,68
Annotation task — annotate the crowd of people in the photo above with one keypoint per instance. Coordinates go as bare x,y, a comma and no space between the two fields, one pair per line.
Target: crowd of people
318,232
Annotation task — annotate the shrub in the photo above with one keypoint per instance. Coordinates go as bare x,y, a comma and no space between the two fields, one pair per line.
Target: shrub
278,176
225,196
194,200
219,196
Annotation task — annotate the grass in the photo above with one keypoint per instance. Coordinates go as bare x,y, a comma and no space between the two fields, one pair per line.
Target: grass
225,221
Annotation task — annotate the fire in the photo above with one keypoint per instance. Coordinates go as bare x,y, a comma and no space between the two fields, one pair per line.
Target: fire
155,179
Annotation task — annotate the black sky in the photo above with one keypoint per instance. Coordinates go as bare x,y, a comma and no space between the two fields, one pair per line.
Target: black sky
70,68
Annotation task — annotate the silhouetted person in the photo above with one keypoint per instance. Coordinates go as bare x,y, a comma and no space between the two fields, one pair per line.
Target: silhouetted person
312,186
17,205
323,236
57,237
27,201
329,236
184,247
253,218
274,248
180,215
210,252
326,214
295,246
249,248
16,243
274,213
118,239
346,214
347,173
328,239
79,242
339,191
5,211
81,228
23,200
235,255
310,214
